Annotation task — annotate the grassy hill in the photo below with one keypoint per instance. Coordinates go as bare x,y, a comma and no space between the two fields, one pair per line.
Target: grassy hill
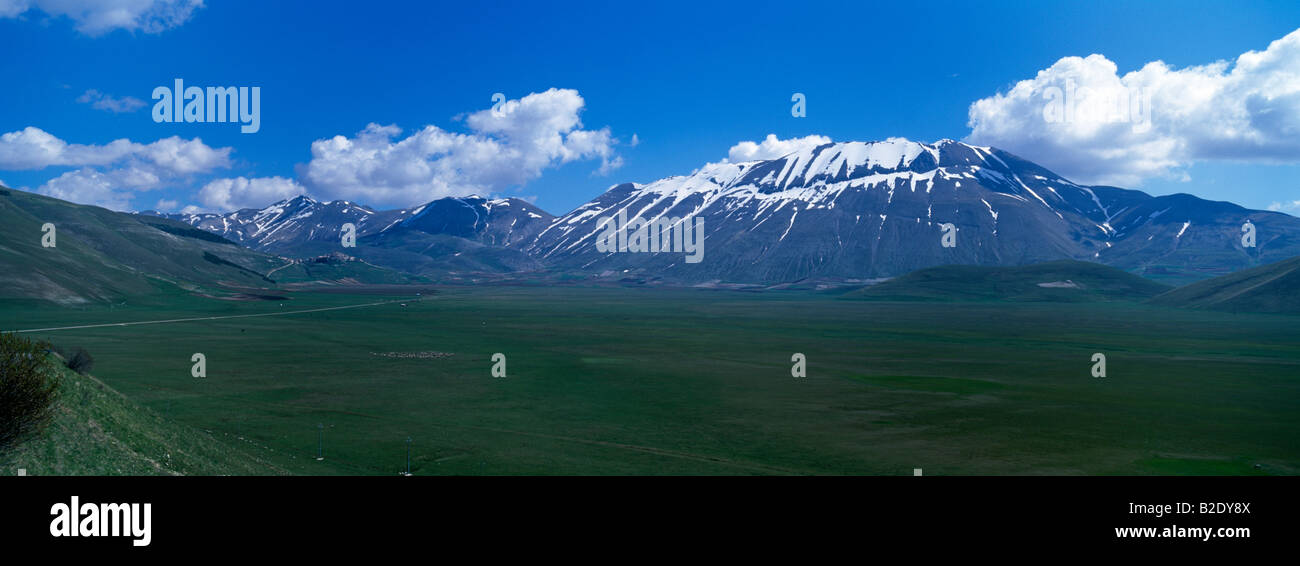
97,431
1056,281
1273,288
103,255
341,269
435,255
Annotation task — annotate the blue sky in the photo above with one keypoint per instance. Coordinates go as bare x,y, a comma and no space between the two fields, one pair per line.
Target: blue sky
689,80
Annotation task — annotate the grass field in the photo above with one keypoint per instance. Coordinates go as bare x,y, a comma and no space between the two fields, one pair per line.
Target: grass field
677,381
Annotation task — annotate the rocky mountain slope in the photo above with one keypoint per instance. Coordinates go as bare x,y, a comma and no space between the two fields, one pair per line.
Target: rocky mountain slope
840,211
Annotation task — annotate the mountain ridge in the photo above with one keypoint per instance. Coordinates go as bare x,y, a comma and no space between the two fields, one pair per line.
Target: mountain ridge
1008,211
844,210
100,255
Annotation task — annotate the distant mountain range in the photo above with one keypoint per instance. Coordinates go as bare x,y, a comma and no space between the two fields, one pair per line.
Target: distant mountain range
452,235
837,212
99,255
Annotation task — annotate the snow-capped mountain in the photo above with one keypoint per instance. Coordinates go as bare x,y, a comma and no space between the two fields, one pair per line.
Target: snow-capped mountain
469,234
305,227
497,222
453,234
290,227
861,210
845,211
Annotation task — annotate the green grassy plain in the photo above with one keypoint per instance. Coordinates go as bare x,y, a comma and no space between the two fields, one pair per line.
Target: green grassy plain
680,381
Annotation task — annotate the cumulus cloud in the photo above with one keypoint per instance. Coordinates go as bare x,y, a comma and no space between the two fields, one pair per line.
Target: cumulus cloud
107,175
772,148
101,101
1084,120
97,17
183,156
241,192
34,148
507,147
87,186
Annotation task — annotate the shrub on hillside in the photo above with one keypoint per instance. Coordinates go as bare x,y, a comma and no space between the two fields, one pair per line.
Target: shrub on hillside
28,389
76,359
81,361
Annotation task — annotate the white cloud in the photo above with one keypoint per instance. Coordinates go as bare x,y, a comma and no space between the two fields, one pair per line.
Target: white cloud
165,205
772,148
108,174
506,148
101,101
1246,111
241,192
185,156
112,188
97,17
608,166
87,186
34,148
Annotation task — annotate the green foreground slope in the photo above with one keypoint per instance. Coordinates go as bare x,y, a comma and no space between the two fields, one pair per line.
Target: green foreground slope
1273,288
98,431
